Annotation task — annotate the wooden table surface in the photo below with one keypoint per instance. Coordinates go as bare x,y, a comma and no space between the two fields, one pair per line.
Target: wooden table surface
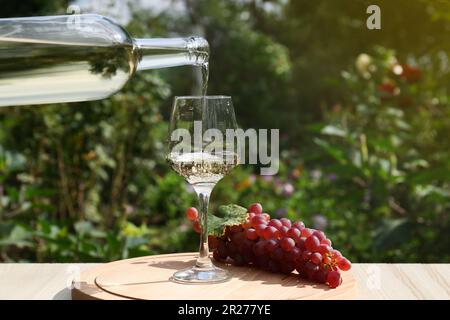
375,281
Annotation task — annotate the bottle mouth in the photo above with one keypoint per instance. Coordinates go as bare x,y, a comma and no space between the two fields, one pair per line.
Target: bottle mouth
199,45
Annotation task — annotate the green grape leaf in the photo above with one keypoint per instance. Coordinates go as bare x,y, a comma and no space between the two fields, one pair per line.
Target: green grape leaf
228,215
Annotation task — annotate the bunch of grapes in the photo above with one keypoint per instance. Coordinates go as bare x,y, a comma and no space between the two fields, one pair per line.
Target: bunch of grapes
278,245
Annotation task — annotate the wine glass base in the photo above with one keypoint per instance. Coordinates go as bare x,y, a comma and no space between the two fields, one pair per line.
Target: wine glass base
196,275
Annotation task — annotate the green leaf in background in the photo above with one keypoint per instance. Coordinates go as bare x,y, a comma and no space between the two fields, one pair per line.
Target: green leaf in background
230,215
392,234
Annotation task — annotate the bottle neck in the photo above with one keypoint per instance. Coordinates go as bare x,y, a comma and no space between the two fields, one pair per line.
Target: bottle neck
170,52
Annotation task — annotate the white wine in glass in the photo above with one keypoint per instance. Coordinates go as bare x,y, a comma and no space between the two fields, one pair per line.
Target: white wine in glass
202,161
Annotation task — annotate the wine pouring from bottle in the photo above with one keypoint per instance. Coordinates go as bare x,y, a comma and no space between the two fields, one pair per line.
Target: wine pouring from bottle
81,57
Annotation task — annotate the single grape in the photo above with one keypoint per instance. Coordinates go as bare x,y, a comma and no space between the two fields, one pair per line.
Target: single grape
334,279
287,244
301,243
251,234
286,222
258,220
192,213
262,262
260,230
277,254
300,267
270,233
259,248
321,276
271,245
283,231
326,242
312,243
196,226
237,237
222,249
316,258
238,260
246,245
275,223
299,225
216,255
337,253
255,208
311,269
344,264
324,249
212,242
319,235
306,255
294,233
306,232
274,266
266,216
231,249
294,255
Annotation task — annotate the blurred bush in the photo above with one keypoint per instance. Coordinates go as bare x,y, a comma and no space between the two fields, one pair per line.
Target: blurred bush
364,119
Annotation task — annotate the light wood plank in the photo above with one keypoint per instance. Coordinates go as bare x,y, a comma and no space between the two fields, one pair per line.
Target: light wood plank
396,281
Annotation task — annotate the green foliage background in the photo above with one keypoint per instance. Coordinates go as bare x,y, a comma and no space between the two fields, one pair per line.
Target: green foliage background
365,146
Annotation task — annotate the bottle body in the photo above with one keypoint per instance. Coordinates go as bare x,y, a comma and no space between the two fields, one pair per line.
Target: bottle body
78,58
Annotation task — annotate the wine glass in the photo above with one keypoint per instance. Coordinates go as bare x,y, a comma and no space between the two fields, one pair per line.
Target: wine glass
199,151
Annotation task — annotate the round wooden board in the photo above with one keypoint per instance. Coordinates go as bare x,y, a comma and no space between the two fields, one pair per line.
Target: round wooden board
148,278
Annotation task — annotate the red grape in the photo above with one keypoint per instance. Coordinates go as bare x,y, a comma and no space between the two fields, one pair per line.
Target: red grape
259,248
306,232
321,276
271,245
260,229
344,264
299,225
266,217
294,233
324,249
196,226
216,255
334,279
192,213
251,234
275,223
311,269
270,233
255,208
274,266
283,231
319,235
287,244
301,243
257,220
326,242
212,242
306,255
294,255
277,254
222,249
312,243
316,258
286,222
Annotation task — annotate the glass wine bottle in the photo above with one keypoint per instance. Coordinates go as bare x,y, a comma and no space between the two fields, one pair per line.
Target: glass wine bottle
80,57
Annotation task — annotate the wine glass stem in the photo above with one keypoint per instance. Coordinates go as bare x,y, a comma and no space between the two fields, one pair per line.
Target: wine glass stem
203,260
